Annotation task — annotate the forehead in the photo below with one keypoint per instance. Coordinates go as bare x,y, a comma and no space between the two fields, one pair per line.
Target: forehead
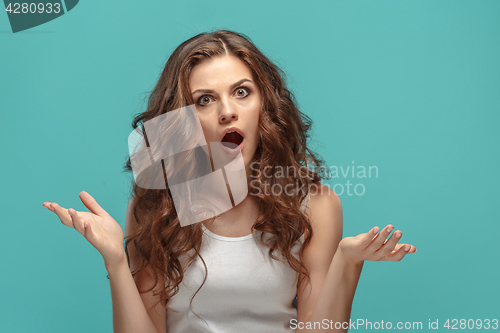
218,72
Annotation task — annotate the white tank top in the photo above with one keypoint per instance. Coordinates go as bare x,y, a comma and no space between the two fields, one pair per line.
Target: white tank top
245,290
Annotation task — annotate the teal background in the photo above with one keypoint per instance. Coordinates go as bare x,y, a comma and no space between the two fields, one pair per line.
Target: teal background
411,87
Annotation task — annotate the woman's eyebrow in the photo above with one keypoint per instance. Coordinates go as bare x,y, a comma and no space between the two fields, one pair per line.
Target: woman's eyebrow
234,85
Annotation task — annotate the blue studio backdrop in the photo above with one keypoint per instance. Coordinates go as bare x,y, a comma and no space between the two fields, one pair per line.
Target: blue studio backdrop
406,89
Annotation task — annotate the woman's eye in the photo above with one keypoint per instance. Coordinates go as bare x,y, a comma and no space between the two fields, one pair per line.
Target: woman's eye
204,100
242,92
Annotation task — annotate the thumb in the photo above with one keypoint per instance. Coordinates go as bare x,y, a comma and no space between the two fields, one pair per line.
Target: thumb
92,205
88,233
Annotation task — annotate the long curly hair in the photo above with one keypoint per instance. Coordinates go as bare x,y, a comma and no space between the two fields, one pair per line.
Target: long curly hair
159,239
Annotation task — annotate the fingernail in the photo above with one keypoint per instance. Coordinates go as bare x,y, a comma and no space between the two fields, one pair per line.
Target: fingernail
376,230
407,248
389,230
398,235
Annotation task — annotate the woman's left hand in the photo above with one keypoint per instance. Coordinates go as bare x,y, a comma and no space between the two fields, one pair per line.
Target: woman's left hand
375,247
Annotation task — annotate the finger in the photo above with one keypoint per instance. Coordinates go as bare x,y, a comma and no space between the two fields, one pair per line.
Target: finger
53,207
368,237
63,214
92,205
413,249
89,232
77,221
47,205
399,253
379,240
388,245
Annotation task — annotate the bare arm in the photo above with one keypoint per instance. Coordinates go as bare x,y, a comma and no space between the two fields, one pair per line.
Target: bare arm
336,296
335,265
129,312
333,279
133,312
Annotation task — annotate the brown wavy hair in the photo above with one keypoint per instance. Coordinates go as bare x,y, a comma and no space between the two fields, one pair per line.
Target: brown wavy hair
159,238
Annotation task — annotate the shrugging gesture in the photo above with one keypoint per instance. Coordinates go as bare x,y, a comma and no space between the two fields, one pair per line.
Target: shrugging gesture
375,247
98,227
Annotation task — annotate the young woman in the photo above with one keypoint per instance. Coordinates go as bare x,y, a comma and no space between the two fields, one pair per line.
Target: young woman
275,262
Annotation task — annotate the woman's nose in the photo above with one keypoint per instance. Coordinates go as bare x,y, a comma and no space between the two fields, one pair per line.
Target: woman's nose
228,113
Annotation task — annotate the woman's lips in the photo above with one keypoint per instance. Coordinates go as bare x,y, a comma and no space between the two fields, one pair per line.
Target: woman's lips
231,129
236,150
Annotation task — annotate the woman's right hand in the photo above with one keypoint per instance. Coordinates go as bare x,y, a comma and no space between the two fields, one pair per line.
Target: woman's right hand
98,227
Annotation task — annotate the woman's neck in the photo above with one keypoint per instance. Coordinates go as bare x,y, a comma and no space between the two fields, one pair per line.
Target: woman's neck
237,221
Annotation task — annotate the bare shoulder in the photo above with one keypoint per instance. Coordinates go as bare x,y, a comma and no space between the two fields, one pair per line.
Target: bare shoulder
322,195
324,208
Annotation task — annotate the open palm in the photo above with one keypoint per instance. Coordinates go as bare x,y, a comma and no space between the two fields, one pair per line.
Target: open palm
97,226
376,247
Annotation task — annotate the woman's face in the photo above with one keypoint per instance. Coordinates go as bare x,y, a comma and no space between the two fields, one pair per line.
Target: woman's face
229,104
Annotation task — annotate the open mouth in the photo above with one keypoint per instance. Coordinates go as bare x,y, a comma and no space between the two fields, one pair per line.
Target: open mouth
232,139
